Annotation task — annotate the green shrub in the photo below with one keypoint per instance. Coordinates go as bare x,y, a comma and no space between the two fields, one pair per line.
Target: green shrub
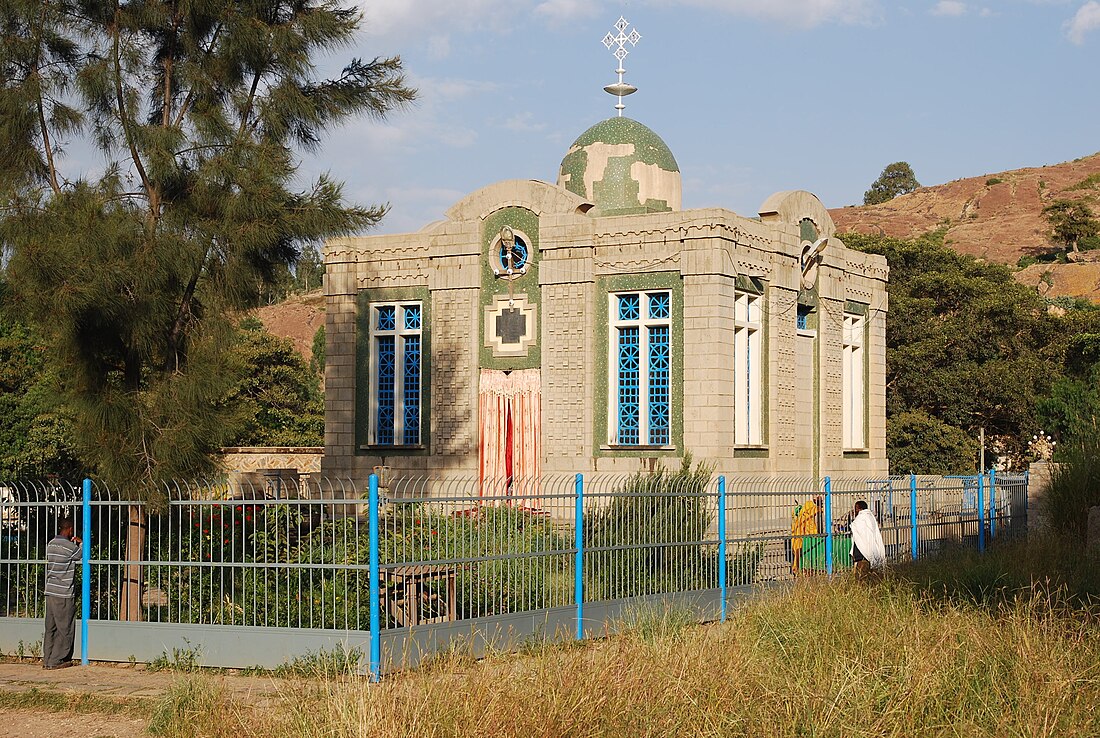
743,562
1007,571
647,540
993,181
1074,486
314,574
501,585
1088,183
317,354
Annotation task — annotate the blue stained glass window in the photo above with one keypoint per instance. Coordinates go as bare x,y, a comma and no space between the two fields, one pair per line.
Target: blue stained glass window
412,388
659,383
386,318
629,386
387,370
629,307
519,255
803,319
412,317
659,305
396,391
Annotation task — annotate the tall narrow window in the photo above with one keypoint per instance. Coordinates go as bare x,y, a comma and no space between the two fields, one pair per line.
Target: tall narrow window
747,368
640,400
802,318
396,334
854,391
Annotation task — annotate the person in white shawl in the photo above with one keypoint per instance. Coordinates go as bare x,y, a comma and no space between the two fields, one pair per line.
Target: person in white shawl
868,552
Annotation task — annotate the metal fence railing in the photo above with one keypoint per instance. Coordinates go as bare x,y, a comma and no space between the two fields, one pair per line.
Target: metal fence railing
320,555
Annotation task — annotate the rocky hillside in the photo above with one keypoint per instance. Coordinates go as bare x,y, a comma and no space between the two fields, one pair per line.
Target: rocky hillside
297,318
996,217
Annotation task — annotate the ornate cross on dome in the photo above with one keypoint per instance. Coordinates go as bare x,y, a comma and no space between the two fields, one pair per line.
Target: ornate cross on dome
621,89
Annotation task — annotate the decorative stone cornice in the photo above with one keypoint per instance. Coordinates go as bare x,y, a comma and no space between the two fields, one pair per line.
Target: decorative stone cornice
375,281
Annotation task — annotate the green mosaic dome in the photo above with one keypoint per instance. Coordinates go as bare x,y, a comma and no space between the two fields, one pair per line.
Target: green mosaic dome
622,167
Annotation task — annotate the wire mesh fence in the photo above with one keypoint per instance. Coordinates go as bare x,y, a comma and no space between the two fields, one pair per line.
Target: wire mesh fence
457,548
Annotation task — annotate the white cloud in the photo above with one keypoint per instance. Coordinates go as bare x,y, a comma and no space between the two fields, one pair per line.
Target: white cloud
950,8
454,89
524,123
437,19
987,12
432,18
427,123
559,12
795,13
1086,19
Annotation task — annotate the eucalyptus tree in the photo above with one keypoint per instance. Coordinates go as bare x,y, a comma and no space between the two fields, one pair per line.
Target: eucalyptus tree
199,111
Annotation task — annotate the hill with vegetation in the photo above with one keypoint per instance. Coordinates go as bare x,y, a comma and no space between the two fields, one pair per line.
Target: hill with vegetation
998,218
298,318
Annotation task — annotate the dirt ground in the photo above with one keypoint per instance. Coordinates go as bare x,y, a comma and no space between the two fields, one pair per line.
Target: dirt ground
110,682
28,724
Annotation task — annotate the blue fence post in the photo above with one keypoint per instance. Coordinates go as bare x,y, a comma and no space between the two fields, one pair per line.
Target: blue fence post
375,604
981,513
723,561
992,505
85,570
578,542
828,526
915,533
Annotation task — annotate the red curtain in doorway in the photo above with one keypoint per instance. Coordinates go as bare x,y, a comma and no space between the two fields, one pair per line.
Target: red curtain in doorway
510,434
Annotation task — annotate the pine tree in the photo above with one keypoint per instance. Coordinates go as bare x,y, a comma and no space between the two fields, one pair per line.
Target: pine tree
134,277
201,109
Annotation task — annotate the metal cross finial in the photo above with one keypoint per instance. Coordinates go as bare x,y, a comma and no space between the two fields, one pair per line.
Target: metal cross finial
508,261
621,89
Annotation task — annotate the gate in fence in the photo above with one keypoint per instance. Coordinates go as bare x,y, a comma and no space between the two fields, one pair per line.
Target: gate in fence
394,570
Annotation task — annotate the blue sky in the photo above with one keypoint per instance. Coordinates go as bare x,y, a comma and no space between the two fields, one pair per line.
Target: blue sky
752,96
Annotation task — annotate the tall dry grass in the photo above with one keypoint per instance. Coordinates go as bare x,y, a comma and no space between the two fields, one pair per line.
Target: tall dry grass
912,655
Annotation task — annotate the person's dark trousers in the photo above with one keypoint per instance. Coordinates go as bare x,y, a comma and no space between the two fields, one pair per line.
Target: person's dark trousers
57,644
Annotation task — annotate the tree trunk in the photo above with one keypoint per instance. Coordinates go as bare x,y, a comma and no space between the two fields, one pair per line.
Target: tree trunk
129,606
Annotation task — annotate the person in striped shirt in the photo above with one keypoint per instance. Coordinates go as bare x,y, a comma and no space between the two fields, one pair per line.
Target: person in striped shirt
62,553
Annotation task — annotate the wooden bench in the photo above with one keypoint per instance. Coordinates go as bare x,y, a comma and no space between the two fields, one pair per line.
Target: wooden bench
411,591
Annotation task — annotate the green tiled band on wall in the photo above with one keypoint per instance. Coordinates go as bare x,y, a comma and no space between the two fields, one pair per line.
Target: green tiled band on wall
752,285
363,366
856,308
672,282
525,222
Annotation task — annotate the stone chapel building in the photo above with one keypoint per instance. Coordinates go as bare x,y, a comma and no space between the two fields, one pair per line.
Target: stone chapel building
594,325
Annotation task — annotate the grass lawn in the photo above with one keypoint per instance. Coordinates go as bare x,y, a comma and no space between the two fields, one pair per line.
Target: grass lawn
1002,645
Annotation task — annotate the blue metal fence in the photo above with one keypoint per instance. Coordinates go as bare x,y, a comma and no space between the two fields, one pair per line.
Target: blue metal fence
415,563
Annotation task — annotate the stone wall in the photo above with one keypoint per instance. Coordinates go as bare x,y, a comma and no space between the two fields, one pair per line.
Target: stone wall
1038,482
581,258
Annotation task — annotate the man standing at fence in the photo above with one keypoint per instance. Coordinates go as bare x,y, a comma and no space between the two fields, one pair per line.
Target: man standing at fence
868,552
62,553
